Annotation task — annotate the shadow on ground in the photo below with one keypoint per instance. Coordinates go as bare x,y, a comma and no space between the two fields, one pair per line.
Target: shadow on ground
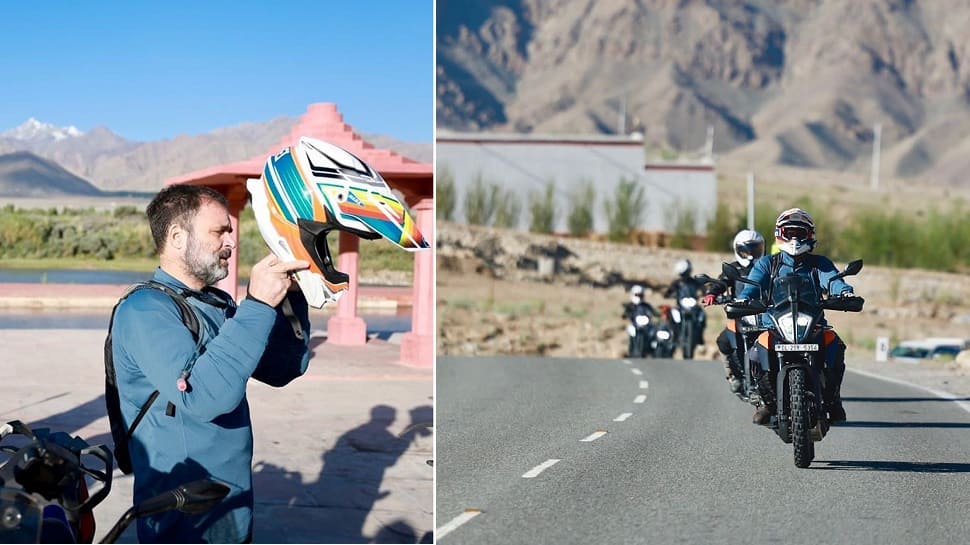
349,483
912,467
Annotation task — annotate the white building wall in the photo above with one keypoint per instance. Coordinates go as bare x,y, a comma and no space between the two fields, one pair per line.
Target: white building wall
526,164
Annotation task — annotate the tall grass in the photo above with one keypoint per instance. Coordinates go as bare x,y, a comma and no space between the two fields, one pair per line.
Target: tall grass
625,211
681,221
508,208
542,209
480,201
581,202
90,237
937,241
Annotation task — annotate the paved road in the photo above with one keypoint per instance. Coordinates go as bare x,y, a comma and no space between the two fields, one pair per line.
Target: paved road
685,465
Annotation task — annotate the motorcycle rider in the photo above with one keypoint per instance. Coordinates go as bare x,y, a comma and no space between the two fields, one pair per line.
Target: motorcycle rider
795,235
748,246
686,285
637,306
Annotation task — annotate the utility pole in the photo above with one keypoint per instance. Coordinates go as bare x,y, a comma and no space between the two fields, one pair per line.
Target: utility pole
622,123
751,201
876,137
709,147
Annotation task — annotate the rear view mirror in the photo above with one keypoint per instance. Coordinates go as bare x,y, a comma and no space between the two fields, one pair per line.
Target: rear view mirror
853,268
730,272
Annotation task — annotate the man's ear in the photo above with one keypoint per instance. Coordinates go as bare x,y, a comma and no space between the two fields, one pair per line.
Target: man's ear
177,236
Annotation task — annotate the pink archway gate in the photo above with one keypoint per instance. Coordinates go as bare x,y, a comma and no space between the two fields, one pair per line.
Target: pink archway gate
413,179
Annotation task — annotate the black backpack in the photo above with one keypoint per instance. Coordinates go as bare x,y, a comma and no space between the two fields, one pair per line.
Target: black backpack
121,435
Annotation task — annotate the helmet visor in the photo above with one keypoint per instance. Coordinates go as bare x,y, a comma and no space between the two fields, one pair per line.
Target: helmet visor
791,232
751,250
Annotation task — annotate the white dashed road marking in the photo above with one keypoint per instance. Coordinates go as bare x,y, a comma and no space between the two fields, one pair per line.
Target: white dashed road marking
640,398
469,514
637,371
643,385
622,417
534,472
628,362
593,436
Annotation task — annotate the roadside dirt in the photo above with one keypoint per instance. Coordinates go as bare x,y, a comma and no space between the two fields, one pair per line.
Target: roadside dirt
493,299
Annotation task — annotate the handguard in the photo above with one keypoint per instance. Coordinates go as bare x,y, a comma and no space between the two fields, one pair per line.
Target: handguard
744,307
852,303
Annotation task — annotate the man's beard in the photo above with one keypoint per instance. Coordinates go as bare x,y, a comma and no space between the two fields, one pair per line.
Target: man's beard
204,265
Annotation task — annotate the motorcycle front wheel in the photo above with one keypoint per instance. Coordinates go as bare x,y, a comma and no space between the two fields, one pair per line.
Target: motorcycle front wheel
800,413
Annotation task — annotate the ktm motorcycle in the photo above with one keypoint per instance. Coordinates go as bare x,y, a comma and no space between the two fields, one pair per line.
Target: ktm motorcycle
797,342
44,494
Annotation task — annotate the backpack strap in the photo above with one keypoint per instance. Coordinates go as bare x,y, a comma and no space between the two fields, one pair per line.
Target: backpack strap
772,273
191,321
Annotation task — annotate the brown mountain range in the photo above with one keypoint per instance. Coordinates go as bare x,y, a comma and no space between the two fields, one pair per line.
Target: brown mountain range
111,163
793,82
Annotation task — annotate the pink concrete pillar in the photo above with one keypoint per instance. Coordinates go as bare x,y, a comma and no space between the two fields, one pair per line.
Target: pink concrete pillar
417,346
237,201
346,328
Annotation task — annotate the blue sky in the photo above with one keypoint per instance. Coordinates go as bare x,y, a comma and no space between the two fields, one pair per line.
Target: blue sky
154,70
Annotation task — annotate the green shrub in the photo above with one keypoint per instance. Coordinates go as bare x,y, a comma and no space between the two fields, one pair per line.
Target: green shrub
581,203
480,201
508,208
680,220
542,208
624,212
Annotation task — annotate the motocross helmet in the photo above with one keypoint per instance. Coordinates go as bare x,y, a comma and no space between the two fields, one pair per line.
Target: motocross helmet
795,232
748,246
636,293
314,187
682,268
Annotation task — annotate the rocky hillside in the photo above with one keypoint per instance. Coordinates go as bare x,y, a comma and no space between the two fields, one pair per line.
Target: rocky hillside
23,174
795,82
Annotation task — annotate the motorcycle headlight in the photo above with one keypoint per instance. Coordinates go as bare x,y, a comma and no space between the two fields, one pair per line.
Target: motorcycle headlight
641,320
688,302
787,325
663,335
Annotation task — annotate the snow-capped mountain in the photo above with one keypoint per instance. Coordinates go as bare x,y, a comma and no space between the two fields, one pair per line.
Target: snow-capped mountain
33,130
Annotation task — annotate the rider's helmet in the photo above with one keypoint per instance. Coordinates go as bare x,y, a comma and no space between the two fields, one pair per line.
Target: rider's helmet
314,187
795,232
748,246
636,293
682,268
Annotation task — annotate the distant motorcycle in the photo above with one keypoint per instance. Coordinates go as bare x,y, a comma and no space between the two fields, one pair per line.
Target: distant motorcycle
640,329
44,496
796,340
688,318
663,336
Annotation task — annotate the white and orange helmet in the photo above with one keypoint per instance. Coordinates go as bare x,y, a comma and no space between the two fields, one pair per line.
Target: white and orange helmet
795,232
312,188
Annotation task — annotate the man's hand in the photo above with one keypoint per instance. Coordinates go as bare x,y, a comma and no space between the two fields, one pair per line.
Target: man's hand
270,279
708,299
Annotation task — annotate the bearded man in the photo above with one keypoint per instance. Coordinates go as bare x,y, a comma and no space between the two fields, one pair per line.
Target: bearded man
186,392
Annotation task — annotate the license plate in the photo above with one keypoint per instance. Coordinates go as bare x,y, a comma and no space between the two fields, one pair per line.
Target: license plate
796,347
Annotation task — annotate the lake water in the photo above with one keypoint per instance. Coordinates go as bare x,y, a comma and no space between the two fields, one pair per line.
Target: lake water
59,276
384,323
